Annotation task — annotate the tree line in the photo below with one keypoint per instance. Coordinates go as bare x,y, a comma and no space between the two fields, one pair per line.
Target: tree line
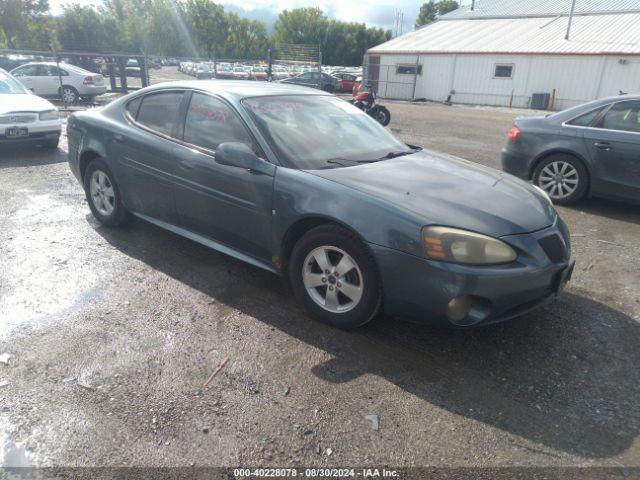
179,28
430,11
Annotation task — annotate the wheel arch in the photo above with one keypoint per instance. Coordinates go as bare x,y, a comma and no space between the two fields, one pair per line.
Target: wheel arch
86,157
66,85
300,227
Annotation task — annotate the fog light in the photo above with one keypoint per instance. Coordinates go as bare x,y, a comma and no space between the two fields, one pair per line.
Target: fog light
459,308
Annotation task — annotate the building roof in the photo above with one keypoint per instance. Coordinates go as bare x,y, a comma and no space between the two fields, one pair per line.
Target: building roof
591,34
539,8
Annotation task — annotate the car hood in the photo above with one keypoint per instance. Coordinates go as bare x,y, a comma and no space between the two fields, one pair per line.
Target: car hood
19,102
447,190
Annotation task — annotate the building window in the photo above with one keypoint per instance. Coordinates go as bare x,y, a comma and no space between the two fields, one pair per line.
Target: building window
503,70
410,69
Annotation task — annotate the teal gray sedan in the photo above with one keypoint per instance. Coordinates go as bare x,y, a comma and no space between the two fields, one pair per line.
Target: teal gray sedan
301,183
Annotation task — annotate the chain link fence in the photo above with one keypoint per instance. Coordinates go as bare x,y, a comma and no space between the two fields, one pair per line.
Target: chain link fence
121,72
396,81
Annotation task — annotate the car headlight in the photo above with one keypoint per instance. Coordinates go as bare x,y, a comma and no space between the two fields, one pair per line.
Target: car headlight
50,115
460,246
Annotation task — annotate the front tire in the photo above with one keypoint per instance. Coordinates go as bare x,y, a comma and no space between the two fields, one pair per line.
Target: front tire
563,177
382,115
334,276
103,194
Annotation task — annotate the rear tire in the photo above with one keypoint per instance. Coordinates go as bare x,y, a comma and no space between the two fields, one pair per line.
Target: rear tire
103,194
563,177
335,277
69,94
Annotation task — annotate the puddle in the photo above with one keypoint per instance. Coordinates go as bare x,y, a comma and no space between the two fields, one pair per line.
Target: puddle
14,454
47,274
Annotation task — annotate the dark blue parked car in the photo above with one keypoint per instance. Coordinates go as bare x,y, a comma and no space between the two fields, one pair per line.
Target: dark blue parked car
589,150
301,183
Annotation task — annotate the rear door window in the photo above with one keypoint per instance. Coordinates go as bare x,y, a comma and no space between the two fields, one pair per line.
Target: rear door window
623,116
133,106
586,119
159,111
210,122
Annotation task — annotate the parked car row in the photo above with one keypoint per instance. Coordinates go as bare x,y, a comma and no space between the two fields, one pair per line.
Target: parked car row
327,78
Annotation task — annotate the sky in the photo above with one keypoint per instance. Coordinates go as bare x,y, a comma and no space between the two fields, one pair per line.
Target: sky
379,13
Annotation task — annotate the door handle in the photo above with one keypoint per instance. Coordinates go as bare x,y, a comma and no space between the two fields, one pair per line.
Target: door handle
603,145
118,137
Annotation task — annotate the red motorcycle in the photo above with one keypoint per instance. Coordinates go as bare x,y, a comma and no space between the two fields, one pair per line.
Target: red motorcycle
367,101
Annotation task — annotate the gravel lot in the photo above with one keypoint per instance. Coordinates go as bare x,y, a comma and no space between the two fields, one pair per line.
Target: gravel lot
111,334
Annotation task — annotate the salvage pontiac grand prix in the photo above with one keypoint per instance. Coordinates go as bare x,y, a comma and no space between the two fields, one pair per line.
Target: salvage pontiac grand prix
301,183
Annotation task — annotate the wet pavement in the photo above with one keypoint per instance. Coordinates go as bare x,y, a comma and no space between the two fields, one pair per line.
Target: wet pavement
112,332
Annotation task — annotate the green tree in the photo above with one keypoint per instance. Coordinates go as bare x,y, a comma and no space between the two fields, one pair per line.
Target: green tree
446,6
430,11
82,28
300,25
168,31
246,39
41,34
210,26
341,43
16,16
125,23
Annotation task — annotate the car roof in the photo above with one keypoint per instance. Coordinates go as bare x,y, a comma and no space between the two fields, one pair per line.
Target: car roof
238,89
52,64
586,107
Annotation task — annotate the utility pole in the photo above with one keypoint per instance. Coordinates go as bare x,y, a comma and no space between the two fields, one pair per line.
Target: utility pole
573,8
398,22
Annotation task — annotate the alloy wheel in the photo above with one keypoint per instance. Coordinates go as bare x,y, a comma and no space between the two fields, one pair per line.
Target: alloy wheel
68,95
102,193
559,179
333,279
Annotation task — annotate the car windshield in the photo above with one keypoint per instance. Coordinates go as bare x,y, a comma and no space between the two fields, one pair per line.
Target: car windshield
313,132
8,84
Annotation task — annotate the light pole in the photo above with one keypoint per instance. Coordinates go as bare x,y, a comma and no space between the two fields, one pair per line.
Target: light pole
573,7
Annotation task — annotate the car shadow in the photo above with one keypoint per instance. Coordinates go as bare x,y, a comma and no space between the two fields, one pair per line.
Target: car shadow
565,377
30,155
613,209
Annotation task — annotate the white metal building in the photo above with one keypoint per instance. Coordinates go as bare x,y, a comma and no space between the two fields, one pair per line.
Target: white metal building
504,51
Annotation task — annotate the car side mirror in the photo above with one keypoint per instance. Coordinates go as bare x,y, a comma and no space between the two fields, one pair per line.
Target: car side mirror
235,154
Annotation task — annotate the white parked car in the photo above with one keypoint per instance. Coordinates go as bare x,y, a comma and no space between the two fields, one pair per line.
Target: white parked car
25,117
240,73
43,78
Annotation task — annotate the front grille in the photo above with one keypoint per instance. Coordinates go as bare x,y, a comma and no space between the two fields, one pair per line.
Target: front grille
15,118
554,247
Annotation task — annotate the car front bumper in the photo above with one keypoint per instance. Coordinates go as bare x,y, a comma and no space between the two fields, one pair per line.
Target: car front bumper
38,132
92,90
421,290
